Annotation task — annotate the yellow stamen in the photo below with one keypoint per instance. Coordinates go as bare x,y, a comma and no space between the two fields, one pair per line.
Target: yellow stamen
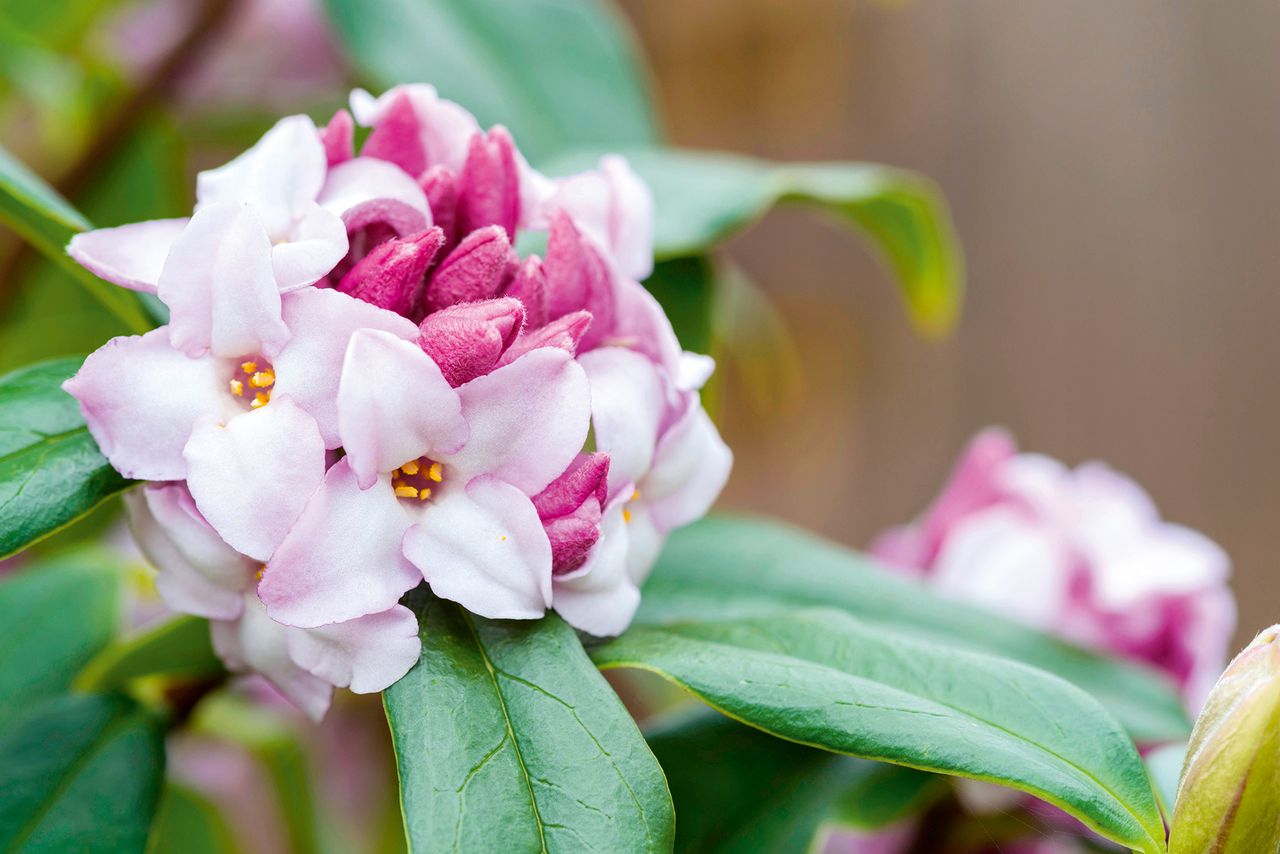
502,537
435,473
262,379
261,570
409,468
249,367
424,493
626,515
260,400
237,388
406,492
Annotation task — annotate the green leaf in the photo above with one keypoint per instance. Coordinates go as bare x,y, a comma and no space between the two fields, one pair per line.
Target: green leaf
508,739
179,648
703,198
728,566
48,222
80,773
558,73
738,789
822,678
53,617
188,823
51,471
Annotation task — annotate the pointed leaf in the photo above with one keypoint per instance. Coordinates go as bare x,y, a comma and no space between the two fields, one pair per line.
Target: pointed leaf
822,678
508,739
703,198
51,471
47,221
727,565
80,773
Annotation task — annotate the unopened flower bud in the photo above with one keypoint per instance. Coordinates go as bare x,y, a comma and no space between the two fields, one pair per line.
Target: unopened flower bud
570,510
577,278
338,138
468,340
476,270
392,275
490,184
1229,794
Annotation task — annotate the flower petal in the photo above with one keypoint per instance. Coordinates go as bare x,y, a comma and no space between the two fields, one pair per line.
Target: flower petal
141,399
131,255
614,207
341,559
484,548
367,654
601,597
256,642
252,475
627,404
278,177
425,130
316,243
365,191
690,467
528,420
394,406
321,322
198,573
220,288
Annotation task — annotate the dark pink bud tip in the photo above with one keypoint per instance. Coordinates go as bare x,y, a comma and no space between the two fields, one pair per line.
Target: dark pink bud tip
468,340
391,276
578,279
529,285
586,479
564,333
489,187
475,270
398,137
572,538
440,186
338,138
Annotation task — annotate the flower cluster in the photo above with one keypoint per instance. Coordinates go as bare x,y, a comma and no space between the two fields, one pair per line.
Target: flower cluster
364,385
1081,553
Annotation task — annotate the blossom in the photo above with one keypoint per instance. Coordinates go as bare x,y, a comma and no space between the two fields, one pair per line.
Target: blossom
200,574
1081,552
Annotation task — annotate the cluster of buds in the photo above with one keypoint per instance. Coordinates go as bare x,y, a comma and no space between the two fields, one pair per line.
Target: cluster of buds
364,386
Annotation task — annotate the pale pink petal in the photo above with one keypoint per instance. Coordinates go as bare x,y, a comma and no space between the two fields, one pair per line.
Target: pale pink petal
644,542
316,243
367,654
131,255
484,548
257,643
365,191
141,399
1167,560
219,286
279,177
693,370
341,559
321,322
252,475
640,324
528,420
690,468
198,573
627,405
614,207
601,597
394,406
443,127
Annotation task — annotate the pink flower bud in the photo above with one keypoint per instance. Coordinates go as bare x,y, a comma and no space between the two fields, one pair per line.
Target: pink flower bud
468,340
338,138
570,510
529,285
473,271
578,279
440,186
1229,794
489,187
397,137
391,276
564,334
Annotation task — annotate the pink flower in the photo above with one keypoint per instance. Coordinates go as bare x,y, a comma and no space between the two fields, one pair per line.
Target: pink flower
200,574
436,484
1082,553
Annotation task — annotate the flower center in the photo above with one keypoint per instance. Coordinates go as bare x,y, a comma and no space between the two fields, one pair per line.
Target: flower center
252,381
415,480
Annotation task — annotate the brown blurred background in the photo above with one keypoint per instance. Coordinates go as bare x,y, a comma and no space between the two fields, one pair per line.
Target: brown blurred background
1112,171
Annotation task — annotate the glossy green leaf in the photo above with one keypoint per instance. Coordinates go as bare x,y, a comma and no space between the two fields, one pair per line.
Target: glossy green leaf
508,739
703,198
727,566
54,616
51,471
737,789
188,823
558,73
178,648
80,773
823,678
48,222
